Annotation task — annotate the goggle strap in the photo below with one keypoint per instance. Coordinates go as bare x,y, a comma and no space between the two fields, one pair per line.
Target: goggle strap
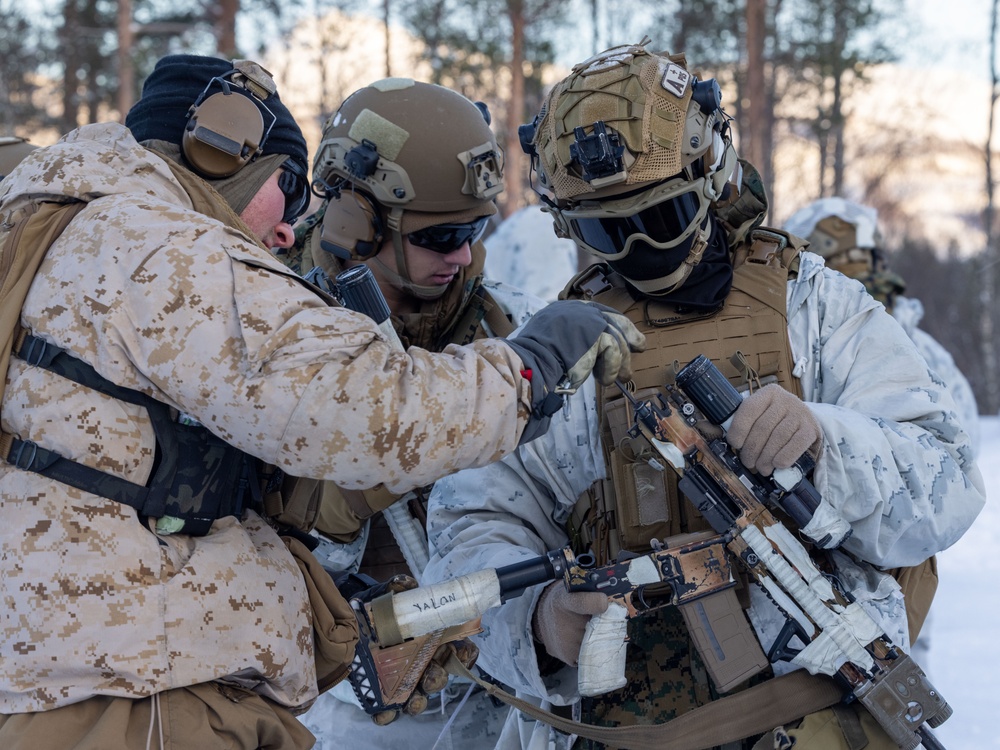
666,284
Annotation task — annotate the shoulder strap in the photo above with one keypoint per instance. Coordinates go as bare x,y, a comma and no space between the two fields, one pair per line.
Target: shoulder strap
20,258
750,712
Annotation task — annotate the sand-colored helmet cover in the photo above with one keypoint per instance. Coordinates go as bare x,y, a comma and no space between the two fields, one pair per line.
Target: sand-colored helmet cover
643,96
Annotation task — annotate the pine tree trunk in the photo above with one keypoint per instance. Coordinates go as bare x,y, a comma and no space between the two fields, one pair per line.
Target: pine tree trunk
126,70
753,129
513,196
987,277
225,27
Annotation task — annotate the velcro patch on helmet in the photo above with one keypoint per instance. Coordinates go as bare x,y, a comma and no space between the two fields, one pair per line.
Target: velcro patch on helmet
675,80
387,136
393,84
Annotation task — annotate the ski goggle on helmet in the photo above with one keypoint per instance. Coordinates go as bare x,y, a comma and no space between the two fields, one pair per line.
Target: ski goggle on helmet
630,148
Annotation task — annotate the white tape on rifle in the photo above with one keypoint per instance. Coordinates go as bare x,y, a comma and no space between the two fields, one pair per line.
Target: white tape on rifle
602,653
423,610
844,639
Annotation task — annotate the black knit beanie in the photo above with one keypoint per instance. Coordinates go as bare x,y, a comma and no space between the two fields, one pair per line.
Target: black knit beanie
175,84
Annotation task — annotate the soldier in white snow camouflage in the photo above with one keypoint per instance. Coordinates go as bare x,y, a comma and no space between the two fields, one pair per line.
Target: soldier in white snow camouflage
635,162
846,234
145,604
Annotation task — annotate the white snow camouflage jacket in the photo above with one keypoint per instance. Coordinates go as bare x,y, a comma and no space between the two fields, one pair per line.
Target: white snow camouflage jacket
895,464
909,312
161,298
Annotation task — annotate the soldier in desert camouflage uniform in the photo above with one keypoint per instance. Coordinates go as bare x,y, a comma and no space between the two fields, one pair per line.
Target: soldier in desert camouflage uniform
634,158
149,597
12,151
431,273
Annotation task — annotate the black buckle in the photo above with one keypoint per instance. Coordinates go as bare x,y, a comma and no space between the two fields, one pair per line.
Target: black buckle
594,282
17,452
29,356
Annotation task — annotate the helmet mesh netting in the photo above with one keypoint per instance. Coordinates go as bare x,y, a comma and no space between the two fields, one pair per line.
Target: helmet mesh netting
655,159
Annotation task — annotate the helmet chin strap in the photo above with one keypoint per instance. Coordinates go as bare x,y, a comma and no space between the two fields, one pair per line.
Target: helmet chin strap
401,279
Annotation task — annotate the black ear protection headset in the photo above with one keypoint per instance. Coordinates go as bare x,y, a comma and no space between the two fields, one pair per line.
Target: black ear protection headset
225,131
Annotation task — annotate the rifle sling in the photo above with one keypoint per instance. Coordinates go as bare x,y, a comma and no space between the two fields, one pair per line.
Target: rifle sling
750,712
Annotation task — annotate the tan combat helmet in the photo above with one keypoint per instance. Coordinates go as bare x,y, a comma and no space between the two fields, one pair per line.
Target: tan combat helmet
843,232
12,151
632,149
401,156
846,234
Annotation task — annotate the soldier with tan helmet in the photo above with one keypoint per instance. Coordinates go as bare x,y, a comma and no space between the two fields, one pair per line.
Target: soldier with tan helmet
12,151
408,172
634,159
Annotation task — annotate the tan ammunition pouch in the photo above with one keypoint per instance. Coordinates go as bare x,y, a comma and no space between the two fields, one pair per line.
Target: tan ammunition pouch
295,502
747,338
919,584
335,626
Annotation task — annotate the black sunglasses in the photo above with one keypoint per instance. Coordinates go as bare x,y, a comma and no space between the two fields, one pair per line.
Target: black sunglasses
447,238
296,191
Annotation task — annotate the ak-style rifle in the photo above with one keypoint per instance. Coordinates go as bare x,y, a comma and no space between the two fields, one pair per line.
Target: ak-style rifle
842,640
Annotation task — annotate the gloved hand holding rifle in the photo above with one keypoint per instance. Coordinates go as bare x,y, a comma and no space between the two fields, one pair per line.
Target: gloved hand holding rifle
841,639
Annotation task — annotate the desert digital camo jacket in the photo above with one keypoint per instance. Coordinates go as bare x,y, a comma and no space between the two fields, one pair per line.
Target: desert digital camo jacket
160,298
895,464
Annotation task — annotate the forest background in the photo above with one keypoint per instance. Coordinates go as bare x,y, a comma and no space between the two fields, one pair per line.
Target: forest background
873,100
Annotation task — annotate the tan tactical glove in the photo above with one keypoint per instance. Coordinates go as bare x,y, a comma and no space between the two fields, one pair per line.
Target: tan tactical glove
562,344
772,428
561,617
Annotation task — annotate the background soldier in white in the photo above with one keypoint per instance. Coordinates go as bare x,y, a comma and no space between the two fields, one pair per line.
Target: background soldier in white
847,235
634,156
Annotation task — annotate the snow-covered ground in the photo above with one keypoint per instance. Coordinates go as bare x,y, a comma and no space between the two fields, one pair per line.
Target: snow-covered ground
965,631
